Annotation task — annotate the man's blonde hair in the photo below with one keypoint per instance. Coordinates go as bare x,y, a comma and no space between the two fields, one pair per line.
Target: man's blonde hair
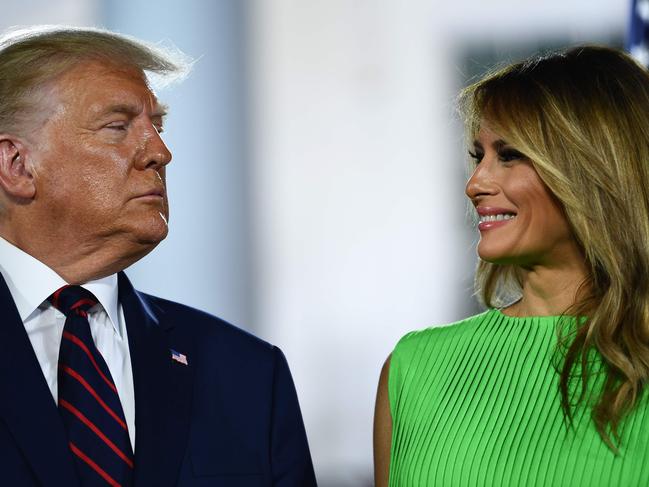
32,57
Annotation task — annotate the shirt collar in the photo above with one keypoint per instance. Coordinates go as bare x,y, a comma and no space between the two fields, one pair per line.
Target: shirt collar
31,282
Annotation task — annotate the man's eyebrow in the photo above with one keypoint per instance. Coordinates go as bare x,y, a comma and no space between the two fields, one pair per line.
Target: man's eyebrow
160,110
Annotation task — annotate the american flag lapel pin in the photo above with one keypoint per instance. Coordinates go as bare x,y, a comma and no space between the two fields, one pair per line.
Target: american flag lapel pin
178,357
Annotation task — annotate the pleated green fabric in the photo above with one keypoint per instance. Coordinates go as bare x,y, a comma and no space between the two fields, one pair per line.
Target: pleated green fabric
477,403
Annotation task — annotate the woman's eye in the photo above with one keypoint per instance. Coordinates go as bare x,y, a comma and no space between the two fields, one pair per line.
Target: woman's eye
509,155
476,156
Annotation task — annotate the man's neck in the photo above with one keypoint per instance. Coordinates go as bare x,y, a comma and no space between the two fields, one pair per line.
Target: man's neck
76,264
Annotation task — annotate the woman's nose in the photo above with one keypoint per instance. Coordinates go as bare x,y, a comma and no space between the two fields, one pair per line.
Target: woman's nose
481,182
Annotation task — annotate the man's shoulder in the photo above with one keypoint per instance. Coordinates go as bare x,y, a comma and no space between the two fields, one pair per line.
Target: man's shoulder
204,326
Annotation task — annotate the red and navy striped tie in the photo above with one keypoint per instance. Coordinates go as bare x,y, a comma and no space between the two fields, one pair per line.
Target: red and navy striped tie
88,399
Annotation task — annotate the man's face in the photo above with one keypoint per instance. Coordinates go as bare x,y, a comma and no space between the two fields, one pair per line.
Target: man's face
98,159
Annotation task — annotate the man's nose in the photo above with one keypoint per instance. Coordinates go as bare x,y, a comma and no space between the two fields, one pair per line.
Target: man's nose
155,153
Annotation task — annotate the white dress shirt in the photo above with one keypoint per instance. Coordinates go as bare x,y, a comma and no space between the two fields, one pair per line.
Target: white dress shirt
31,282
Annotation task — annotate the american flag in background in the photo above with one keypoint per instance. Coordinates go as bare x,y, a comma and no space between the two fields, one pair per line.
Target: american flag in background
638,36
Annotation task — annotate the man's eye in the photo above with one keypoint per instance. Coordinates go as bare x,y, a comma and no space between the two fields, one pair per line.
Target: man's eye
117,125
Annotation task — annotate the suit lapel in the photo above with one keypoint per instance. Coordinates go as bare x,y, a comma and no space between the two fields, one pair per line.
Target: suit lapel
163,389
28,408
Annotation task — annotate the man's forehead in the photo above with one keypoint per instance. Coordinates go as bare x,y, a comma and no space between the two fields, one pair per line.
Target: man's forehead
106,87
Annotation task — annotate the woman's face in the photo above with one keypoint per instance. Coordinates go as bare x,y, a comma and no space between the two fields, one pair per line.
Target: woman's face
521,222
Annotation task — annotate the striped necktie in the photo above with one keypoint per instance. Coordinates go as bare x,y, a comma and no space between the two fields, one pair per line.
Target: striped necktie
88,399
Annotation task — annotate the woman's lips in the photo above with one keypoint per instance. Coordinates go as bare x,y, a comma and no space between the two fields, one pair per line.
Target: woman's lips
493,217
488,225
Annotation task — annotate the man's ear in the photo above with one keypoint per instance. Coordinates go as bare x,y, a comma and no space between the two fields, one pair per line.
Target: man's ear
15,178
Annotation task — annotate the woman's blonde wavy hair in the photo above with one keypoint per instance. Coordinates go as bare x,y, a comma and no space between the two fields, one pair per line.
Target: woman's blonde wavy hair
582,118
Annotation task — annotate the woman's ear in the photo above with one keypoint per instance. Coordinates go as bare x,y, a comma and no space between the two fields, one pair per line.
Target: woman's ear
16,179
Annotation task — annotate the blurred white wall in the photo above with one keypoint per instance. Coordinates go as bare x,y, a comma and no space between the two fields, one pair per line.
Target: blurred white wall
354,200
30,12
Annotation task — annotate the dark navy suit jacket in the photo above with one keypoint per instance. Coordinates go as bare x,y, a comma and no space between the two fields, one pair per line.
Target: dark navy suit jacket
228,418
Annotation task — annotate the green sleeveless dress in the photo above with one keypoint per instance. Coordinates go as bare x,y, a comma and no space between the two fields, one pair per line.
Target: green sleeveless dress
477,403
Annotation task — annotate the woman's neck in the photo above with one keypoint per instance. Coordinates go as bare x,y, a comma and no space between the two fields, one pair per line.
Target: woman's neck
549,291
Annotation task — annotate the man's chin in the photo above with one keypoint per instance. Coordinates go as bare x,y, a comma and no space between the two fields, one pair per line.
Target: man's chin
145,239
141,235
153,238
139,248
153,230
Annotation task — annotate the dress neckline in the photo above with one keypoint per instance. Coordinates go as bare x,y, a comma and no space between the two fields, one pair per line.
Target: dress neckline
550,320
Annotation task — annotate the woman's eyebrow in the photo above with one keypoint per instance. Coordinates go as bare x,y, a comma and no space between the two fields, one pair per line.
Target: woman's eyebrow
496,144
499,144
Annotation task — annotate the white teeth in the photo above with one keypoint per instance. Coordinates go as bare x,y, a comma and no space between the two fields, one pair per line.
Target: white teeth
496,218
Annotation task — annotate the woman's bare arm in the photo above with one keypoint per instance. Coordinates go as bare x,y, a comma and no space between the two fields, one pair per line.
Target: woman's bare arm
382,430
